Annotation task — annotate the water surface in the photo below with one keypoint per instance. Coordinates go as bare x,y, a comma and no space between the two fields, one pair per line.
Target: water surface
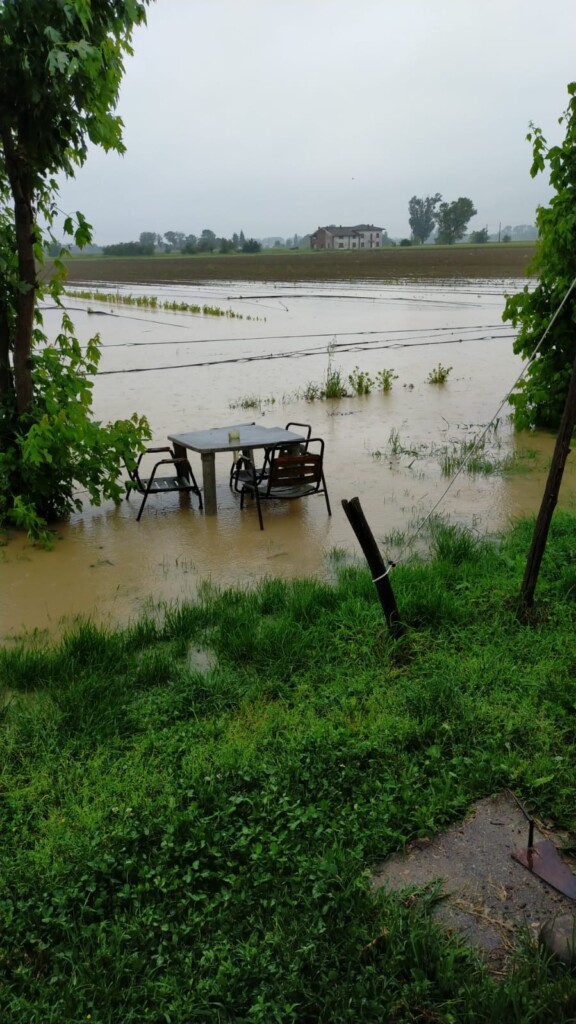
187,372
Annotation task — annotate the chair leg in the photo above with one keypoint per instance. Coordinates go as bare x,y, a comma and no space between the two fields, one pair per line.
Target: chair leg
326,496
259,507
144,500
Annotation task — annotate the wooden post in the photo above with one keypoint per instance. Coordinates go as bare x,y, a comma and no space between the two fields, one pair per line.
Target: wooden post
550,497
380,576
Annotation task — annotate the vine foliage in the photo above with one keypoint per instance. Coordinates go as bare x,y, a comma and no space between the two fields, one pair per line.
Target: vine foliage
540,397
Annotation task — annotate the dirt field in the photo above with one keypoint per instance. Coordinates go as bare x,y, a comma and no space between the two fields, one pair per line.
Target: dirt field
457,261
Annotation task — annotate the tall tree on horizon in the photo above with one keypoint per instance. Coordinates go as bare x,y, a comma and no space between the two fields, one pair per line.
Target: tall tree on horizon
422,216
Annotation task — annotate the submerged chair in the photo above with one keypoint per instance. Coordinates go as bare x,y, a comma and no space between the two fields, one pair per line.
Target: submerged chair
242,468
288,476
182,480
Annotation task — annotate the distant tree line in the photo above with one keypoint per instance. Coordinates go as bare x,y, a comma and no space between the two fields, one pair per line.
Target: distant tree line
150,242
425,213
429,212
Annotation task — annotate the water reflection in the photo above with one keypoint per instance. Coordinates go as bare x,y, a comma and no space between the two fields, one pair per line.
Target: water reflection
188,372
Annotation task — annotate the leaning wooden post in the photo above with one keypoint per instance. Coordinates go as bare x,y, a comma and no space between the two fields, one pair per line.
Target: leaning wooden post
550,497
380,576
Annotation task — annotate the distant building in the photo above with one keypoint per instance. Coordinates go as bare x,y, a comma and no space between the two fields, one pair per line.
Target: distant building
361,236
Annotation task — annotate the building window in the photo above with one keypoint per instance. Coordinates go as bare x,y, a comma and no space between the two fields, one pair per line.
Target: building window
340,245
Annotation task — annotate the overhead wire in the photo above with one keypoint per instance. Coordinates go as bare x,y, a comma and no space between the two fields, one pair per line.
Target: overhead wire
298,354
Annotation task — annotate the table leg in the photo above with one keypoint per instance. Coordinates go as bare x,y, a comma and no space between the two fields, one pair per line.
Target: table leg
209,481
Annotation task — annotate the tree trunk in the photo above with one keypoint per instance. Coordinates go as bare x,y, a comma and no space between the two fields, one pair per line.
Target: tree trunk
550,497
6,381
22,194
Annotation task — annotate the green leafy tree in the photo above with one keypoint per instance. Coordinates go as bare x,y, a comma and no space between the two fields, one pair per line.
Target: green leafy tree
207,241
175,240
150,238
190,245
251,245
546,313
422,216
479,237
452,220
61,65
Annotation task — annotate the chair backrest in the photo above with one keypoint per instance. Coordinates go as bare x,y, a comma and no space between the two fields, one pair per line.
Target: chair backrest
303,470
303,428
298,446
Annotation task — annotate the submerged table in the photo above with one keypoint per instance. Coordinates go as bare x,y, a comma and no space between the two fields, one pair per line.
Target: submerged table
239,436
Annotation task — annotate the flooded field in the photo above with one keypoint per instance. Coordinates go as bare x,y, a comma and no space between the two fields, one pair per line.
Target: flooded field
394,450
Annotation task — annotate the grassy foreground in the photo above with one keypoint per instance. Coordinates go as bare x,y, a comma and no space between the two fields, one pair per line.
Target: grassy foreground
395,263
182,846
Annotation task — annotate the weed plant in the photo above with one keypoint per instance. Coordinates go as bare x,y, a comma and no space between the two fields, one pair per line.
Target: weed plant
181,846
360,381
440,374
385,379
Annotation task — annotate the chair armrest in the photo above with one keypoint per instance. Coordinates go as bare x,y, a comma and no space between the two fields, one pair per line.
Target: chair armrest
152,451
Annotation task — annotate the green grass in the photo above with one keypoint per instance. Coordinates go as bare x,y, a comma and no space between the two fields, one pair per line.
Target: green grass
183,846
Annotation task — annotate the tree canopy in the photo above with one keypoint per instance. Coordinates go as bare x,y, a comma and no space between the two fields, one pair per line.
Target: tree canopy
422,216
452,220
61,64
546,313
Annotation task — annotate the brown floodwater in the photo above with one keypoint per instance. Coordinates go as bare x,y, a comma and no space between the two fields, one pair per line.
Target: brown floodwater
187,372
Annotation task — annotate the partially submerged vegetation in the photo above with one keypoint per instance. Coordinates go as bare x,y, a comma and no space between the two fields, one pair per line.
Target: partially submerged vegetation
118,298
477,454
184,842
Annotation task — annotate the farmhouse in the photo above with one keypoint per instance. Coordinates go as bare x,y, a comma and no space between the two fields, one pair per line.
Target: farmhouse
361,236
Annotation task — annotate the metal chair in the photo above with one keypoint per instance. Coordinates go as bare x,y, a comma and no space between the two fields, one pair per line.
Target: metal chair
243,467
288,476
182,480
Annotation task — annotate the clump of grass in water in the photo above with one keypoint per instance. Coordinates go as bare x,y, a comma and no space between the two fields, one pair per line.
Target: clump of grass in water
384,379
360,381
477,459
252,402
334,384
397,447
440,374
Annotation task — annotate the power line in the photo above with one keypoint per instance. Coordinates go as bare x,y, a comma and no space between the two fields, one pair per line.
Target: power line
302,354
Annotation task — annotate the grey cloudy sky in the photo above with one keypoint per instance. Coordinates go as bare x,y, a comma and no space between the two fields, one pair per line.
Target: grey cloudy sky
275,116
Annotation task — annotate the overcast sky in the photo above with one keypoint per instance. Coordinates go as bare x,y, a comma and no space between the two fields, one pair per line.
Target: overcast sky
276,116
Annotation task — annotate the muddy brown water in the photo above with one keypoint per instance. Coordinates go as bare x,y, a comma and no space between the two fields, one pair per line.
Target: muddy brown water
187,372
